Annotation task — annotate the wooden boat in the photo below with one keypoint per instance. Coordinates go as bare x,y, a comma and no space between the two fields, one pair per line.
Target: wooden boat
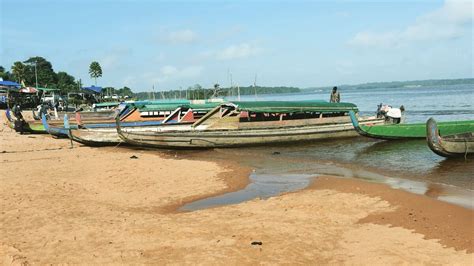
408,131
106,110
92,135
56,131
455,145
23,126
9,120
128,113
254,123
38,127
90,115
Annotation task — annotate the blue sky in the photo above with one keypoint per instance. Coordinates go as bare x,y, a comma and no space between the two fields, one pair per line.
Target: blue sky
173,44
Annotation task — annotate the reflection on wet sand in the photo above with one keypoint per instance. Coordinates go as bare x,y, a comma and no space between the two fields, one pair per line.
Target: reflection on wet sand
393,146
434,190
407,165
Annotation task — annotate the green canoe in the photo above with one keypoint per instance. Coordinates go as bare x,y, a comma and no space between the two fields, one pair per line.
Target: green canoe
409,131
30,127
34,127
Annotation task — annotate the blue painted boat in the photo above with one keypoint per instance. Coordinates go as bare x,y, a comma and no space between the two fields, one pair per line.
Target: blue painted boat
58,132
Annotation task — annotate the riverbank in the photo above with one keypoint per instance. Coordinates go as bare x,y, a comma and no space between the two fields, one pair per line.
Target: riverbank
118,205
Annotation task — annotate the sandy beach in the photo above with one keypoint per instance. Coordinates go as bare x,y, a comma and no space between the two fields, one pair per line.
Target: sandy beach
82,205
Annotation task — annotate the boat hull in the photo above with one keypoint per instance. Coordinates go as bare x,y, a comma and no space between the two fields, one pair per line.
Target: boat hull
211,138
95,137
456,145
410,131
9,120
109,136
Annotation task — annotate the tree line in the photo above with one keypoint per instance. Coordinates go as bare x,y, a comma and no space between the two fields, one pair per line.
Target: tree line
38,72
197,92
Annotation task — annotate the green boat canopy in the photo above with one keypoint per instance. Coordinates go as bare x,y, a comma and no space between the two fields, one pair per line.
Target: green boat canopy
47,89
293,106
107,104
204,106
157,107
168,107
143,103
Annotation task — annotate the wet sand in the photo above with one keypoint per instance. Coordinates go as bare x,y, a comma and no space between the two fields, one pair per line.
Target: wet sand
98,205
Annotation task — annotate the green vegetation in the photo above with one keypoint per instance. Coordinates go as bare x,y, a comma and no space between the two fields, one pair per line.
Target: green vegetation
5,75
198,92
400,84
125,91
24,73
95,71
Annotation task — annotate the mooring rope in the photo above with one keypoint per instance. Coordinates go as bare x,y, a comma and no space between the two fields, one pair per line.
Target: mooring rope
465,149
55,149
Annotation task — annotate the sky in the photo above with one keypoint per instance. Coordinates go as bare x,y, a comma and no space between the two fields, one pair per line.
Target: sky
176,44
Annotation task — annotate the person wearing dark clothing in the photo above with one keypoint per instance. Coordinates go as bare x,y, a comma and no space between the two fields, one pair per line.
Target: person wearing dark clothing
19,121
17,111
335,97
44,110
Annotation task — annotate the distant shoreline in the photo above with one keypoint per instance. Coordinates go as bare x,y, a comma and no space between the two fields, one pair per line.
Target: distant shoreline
400,84
269,90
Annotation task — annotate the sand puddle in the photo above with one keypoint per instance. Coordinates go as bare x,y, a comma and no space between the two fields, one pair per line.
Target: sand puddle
261,186
264,185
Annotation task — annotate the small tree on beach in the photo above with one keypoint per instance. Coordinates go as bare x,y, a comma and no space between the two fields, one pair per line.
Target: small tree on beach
95,71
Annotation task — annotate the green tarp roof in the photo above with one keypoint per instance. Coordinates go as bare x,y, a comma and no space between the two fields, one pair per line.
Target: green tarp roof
168,107
204,106
158,107
293,106
47,89
142,103
106,104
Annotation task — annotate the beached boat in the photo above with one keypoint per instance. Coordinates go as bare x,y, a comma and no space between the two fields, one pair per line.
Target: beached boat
23,126
10,122
455,145
254,123
129,113
90,115
56,131
38,127
408,131
97,135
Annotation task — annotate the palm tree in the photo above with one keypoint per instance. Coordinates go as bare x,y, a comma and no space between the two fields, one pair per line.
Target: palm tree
18,69
95,71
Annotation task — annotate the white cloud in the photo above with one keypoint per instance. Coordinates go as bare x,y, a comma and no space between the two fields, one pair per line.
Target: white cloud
112,59
448,22
181,37
172,72
168,71
243,50
164,75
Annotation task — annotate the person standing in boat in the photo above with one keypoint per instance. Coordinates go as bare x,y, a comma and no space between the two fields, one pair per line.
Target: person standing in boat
44,110
335,97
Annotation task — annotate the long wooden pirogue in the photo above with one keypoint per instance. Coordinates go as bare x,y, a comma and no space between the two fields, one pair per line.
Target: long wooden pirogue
37,127
178,116
254,123
408,131
130,114
456,145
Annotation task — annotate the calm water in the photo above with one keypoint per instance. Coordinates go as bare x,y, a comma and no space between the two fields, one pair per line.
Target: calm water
441,102
409,165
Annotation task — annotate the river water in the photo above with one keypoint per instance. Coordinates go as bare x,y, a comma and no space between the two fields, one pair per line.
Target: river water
408,165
